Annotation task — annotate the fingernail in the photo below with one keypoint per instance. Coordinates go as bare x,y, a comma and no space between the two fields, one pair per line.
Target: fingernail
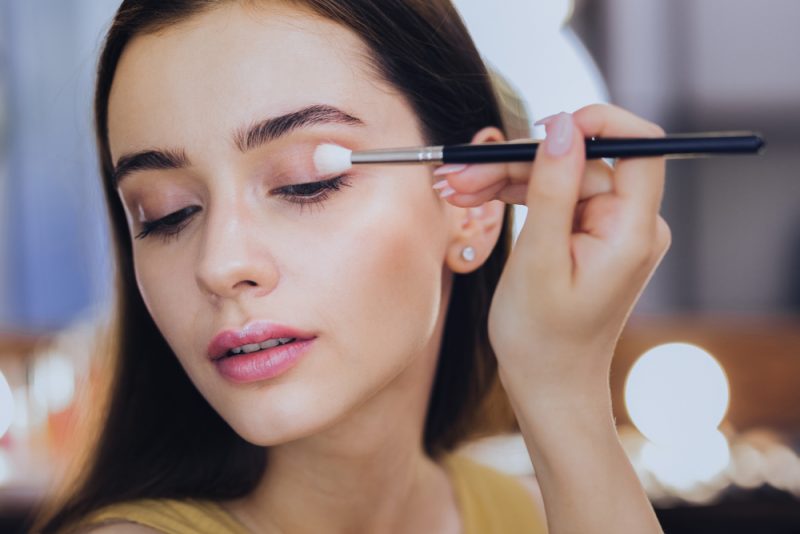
449,169
441,184
545,120
448,191
559,135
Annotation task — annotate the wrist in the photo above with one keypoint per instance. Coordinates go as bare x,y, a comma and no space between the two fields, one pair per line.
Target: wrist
581,388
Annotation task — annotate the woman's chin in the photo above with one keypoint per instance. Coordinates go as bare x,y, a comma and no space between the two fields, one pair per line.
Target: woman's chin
273,428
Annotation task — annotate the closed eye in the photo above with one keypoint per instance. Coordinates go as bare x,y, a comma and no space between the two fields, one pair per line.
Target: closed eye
311,193
306,194
169,225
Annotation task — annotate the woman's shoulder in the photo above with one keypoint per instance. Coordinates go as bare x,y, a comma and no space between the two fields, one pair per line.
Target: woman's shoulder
166,516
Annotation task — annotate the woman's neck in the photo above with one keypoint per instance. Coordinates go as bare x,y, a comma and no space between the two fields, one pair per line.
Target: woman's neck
365,474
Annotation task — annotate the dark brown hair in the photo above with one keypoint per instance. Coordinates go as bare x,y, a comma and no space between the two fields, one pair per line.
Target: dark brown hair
158,437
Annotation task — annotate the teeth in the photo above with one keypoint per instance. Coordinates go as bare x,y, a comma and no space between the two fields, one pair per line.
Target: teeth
275,342
270,343
253,347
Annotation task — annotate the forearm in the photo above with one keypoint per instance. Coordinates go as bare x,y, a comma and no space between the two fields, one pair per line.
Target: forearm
587,481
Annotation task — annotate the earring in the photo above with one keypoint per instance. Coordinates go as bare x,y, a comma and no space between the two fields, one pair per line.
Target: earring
468,253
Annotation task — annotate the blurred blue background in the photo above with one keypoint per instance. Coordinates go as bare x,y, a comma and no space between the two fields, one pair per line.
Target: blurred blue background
53,242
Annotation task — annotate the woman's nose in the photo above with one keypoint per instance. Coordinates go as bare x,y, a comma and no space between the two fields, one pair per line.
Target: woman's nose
234,259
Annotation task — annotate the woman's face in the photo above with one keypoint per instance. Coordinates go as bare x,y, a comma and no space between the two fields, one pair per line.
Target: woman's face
358,268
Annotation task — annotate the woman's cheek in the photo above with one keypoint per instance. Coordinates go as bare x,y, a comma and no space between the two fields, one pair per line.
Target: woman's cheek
391,254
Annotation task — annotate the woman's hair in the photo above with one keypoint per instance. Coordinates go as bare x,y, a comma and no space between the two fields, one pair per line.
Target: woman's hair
158,437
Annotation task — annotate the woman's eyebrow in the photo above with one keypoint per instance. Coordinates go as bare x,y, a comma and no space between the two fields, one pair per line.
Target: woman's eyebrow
274,127
245,139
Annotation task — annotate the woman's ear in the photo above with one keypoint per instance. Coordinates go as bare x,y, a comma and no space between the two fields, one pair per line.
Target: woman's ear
476,236
489,134
475,230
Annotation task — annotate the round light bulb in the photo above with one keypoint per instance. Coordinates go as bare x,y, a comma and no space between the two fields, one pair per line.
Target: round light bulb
676,391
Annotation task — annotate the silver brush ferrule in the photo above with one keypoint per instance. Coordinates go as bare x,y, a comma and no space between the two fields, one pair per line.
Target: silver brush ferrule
427,154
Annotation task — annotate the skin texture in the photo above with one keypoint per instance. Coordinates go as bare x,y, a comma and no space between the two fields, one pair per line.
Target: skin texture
367,272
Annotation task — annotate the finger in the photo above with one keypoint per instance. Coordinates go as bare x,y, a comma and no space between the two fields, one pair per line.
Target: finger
598,178
466,200
476,178
552,195
638,180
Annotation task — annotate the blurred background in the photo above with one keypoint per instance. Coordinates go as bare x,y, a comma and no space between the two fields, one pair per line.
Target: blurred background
707,372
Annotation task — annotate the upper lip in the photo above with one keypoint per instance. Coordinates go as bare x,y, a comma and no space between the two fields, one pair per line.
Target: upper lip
254,332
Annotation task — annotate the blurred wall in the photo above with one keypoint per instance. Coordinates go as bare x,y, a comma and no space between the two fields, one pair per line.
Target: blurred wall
54,251
697,65
4,312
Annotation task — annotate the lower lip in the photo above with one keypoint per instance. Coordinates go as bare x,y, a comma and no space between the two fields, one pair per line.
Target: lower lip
264,364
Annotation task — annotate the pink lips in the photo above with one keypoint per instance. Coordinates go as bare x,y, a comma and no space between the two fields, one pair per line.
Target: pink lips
263,364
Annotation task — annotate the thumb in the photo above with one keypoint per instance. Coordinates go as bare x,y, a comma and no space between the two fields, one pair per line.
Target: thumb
553,193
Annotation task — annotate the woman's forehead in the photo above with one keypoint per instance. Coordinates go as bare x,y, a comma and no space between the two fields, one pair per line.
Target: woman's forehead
230,66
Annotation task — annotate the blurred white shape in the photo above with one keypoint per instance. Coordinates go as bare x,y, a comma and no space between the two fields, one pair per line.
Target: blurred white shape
53,381
689,466
675,393
781,467
530,44
6,405
22,415
505,452
747,467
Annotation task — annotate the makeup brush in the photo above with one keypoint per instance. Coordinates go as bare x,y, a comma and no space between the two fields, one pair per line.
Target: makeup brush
332,158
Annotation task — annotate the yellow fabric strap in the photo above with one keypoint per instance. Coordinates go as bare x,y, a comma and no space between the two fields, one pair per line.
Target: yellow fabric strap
172,516
490,502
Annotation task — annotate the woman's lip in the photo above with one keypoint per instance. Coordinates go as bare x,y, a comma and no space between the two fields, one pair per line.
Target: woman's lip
254,332
264,364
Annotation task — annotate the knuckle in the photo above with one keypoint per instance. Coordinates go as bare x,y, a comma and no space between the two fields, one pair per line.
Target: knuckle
637,250
664,234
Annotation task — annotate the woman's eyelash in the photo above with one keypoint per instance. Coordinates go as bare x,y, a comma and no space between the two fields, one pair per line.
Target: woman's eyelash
311,193
306,194
169,226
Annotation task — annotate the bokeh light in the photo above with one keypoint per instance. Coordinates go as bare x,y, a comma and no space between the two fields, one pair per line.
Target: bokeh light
53,381
6,405
677,395
688,465
676,392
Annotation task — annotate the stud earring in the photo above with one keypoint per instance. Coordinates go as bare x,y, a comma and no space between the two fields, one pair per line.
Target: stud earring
468,253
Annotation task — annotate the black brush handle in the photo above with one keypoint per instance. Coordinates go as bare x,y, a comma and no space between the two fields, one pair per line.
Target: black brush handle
671,145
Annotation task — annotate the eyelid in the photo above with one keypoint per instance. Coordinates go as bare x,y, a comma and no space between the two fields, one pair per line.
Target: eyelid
172,224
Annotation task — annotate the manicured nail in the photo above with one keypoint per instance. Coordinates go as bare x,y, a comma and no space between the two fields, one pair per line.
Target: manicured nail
441,184
449,169
545,120
446,192
559,135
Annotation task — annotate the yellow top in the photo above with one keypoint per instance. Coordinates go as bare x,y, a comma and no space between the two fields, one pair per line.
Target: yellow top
490,502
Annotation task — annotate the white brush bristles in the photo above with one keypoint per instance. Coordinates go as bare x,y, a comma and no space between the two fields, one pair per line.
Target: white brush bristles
332,159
